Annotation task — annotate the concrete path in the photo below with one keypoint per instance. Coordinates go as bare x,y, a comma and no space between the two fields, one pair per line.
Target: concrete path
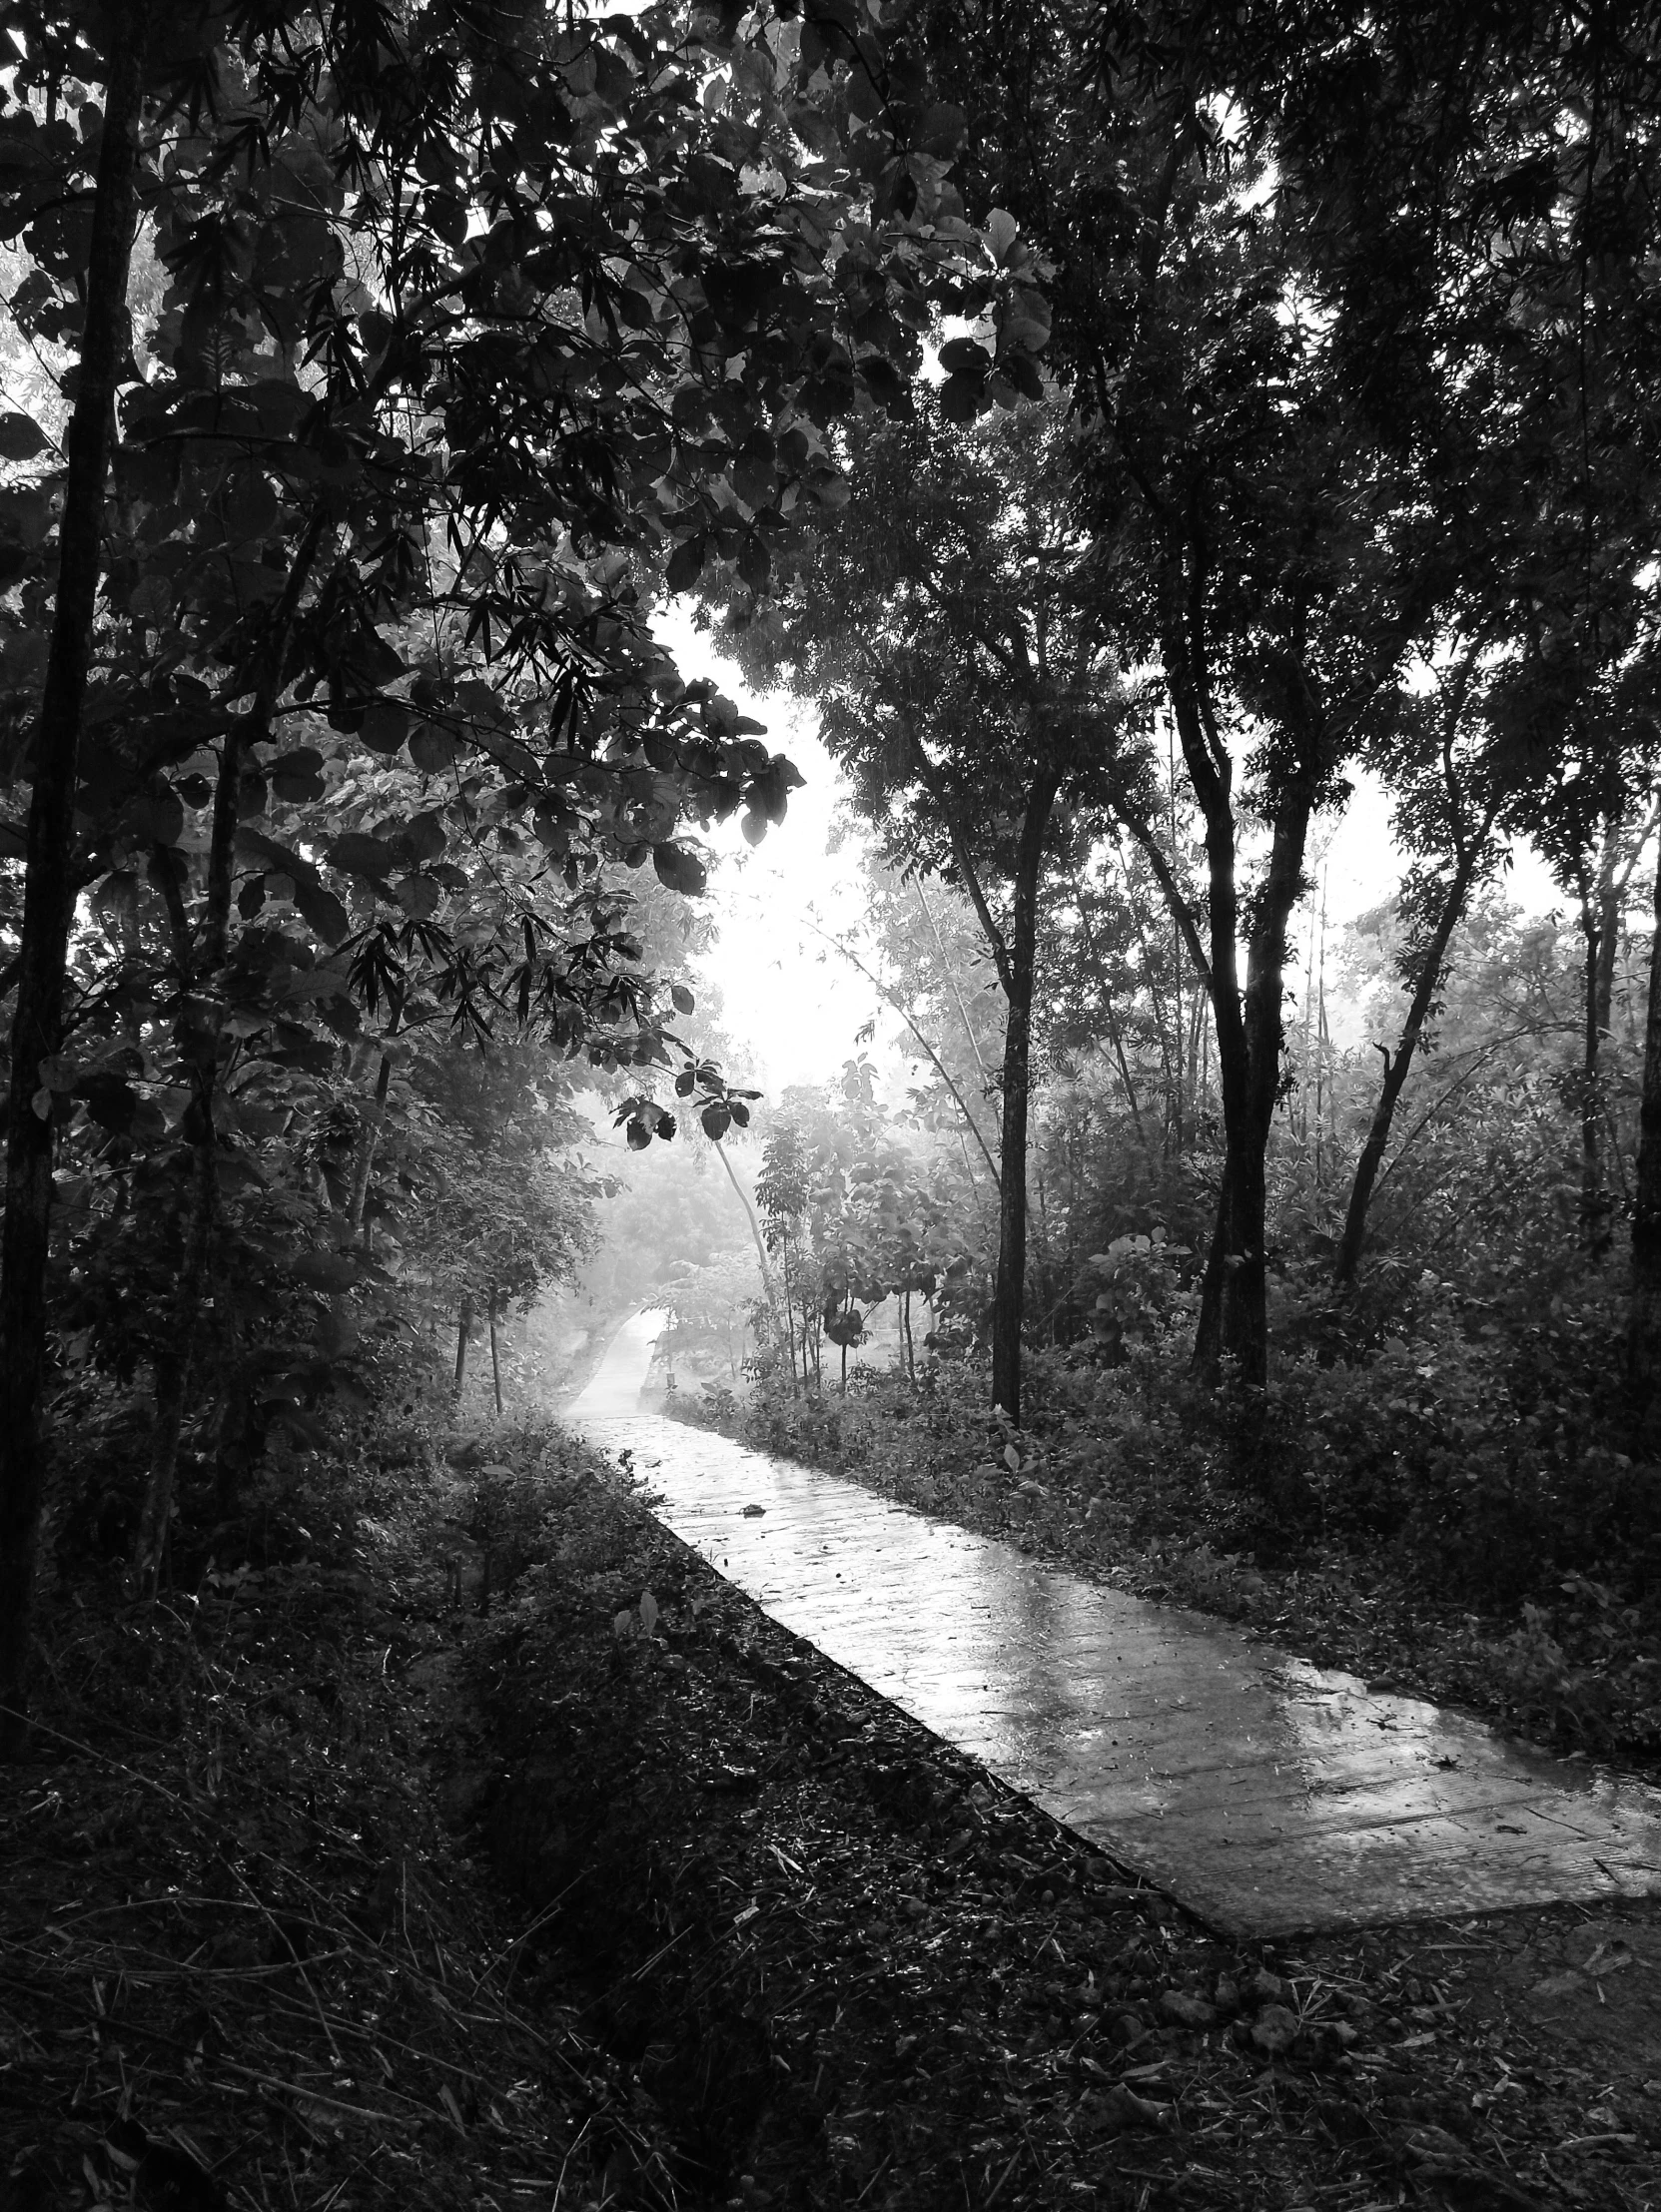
1266,1794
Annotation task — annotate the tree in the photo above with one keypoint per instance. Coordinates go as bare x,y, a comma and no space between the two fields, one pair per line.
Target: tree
383,238
1483,191
49,882
1450,797
965,664
1265,541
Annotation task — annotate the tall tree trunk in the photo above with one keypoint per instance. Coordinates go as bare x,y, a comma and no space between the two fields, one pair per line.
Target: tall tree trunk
1209,773
1397,1068
368,1138
1591,1117
463,1330
49,885
1009,1294
1245,1329
202,1045
1234,1313
767,1284
790,1320
1176,955
495,1358
1601,926
172,1369
1643,1343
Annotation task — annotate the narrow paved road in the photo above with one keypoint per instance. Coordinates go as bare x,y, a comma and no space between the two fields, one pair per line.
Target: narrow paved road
1266,1794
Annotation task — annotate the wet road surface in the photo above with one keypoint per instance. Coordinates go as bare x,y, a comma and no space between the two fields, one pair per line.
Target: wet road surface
1264,1794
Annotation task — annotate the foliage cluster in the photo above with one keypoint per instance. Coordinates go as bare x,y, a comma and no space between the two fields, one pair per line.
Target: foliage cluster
855,1217
390,365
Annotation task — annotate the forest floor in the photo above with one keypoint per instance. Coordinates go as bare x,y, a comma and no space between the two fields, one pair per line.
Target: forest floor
323,1888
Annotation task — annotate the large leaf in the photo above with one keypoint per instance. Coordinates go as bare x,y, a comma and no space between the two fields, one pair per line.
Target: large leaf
431,750
425,839
322,911
385,726
358,854
298,776
686,563
21,437
679,869
754,561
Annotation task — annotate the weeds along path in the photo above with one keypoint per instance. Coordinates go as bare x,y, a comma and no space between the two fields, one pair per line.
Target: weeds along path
840,1965
327,1888
1266,1794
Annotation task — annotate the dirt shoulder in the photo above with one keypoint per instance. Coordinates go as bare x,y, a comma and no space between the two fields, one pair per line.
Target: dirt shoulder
349,1896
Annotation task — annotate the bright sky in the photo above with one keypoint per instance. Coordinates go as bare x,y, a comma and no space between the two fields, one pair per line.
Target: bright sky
787,996
796,1005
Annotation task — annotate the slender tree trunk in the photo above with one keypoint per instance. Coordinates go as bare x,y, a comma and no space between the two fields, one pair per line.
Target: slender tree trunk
202,1047
173,1370
1397,1068
1234,1316
1232,1068
1176,949
1008,1295
1245,1296
155,1522
463,1330
49,885
367,1142
496,1359
1643,1344
790,1316
767,1284
1601,926
1591,1118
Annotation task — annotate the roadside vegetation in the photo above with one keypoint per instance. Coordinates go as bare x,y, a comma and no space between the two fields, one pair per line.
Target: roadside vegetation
469,1841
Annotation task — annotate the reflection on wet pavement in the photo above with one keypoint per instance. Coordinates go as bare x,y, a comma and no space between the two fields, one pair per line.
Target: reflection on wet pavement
1266,1794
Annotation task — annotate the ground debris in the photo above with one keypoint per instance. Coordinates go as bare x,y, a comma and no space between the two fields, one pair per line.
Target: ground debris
923,1991
769,1943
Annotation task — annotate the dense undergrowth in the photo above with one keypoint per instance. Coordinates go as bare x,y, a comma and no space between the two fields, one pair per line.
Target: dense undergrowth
448,1835
245,1961
1456,1514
